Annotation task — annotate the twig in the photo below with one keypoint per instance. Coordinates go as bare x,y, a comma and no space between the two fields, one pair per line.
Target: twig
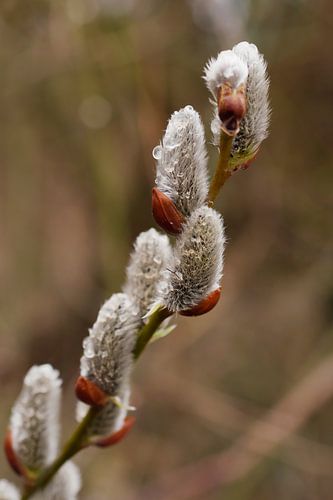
73,446
222,173
149,329
225,416
77,440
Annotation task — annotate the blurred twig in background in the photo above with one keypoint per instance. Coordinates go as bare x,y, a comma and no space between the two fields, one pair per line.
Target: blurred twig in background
256,444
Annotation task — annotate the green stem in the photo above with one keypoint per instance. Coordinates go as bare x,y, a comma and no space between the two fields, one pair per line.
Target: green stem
149,329
222,172
77,440
74,444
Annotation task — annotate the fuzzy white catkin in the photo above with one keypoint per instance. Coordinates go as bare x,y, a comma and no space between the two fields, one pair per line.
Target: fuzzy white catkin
149,259
181,172
34,422
111,418
107,356
8,491
227,68
254,125
198,260
65,485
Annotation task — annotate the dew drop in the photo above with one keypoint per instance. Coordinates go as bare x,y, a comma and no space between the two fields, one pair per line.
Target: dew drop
157,152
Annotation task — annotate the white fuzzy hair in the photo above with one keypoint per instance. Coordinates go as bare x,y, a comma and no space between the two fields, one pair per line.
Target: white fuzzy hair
107,352
151,255
254,126
227,67
181,171
65,485
34,421
8,491
198,260
111,418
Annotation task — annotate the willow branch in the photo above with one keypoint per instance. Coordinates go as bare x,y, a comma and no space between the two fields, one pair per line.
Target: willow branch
222,171
78,440
149,329
74,444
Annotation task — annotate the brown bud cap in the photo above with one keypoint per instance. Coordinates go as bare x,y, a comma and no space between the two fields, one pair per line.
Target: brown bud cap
166,213
206,305
11,455
231,108
88,392
116,436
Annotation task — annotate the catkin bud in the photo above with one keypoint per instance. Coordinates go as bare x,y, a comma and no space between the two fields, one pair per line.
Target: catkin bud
34,422
107,357
65,485
111,418
228,69
181,172
8,491
226,78
254,126
151,255
198,261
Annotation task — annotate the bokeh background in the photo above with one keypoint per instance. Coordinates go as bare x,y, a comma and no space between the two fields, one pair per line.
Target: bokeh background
235,405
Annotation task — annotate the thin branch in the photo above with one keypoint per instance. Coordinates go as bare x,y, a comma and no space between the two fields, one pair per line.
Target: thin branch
74,444
225,415
77,440
149,329
222,172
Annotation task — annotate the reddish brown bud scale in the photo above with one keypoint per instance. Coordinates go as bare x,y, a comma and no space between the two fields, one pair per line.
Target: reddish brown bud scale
166,213
88,392
231,108
116,436
206,305
11,455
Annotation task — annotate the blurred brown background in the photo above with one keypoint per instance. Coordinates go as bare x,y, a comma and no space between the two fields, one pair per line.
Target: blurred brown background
86,87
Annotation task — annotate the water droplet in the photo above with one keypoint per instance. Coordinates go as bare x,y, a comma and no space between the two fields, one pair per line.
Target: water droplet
188,108
157,152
